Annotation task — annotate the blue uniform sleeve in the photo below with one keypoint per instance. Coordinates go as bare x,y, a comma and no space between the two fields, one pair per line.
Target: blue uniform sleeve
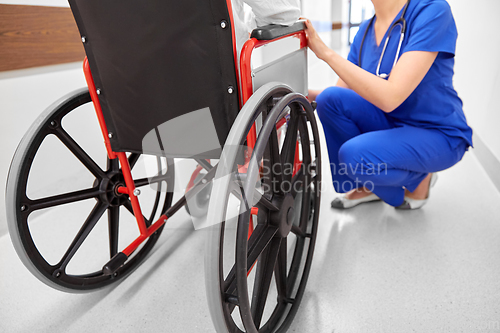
433,29
353,55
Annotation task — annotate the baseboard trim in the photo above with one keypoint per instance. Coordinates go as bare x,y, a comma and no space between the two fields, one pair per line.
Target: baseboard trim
41,70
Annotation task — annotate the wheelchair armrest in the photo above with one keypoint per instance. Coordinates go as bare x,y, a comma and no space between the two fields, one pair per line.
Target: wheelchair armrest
273,31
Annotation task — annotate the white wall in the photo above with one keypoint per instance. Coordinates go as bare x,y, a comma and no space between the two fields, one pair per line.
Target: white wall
477,69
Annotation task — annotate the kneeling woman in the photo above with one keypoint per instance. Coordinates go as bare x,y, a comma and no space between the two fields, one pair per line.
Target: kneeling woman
394,118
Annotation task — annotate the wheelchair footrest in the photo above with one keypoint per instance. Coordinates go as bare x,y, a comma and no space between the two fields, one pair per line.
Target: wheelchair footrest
116,262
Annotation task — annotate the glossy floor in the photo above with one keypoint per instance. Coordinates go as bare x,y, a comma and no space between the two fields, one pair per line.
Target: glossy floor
375,270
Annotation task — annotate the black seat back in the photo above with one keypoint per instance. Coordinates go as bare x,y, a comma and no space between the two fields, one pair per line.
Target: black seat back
155,60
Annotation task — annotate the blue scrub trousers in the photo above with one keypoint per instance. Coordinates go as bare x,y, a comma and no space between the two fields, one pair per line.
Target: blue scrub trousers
369,148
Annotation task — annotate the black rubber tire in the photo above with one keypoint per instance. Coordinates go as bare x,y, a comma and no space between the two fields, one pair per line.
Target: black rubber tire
280,253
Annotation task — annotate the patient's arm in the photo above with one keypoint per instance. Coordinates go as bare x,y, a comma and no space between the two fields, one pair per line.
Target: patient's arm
284,12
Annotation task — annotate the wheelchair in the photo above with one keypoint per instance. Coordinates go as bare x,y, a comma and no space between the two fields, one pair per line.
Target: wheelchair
144,70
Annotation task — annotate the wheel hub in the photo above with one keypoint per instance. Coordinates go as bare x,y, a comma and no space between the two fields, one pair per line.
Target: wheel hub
109,188
283,218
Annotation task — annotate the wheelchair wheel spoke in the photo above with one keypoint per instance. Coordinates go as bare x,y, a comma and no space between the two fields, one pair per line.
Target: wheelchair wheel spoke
79,153
303,175
113,226
263,201
301,181
147,181
294,271
289,147
298,232
62,199
298,182
259,240
276,176
280,268
266,171
132,159
305,210
141,182
85,230
128,206
263,278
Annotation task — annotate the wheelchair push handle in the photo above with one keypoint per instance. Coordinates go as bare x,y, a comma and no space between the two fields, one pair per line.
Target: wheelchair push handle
260,37
274,31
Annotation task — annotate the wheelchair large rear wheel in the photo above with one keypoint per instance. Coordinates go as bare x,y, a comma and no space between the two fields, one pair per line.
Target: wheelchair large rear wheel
264,215
65,215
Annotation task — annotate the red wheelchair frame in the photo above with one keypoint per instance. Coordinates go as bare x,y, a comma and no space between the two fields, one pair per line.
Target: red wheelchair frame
129,188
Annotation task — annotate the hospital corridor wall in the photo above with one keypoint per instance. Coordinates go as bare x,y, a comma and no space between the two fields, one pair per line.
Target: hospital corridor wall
477,76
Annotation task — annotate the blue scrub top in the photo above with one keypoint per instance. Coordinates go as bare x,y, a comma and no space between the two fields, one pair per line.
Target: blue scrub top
434,103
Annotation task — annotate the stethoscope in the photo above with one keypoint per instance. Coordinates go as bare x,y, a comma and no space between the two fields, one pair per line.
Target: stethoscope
402,22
